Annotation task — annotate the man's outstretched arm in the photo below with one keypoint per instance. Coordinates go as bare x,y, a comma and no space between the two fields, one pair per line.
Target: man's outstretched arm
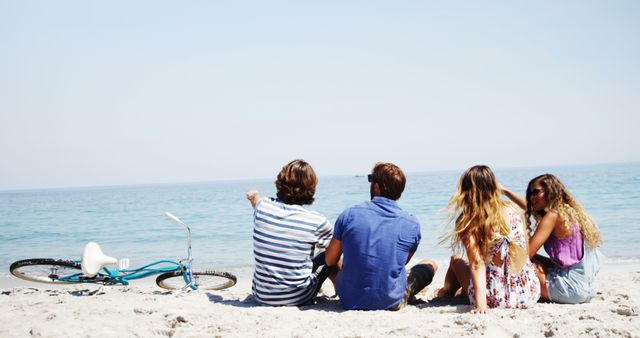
253,196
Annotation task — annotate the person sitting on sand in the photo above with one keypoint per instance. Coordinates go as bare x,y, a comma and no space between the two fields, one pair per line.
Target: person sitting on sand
285,235
497,272
377,239
570,238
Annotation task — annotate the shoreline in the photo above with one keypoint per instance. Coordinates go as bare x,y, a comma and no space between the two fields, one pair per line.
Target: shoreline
145,310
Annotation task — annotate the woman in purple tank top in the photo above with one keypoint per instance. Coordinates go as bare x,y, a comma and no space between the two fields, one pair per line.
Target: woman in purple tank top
570,238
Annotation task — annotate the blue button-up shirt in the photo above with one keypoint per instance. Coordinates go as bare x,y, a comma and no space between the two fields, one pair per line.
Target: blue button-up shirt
376,237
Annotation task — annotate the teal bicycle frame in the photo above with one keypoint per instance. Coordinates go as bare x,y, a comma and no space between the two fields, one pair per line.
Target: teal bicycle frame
108,276
114,276
92,269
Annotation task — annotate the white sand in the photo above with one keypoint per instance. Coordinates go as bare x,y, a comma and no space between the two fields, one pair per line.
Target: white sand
147,311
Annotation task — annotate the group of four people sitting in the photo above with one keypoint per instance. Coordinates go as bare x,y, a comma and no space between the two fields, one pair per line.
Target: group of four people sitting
367,250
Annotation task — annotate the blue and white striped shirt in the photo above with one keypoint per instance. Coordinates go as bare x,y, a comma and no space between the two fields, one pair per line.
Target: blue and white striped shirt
284,238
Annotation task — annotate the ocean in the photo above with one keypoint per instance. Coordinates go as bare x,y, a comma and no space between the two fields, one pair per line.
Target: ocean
128,221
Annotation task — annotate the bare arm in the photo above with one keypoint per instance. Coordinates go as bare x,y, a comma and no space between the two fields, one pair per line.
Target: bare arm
409,256
543,231
253,196
515,198
478,275
333,252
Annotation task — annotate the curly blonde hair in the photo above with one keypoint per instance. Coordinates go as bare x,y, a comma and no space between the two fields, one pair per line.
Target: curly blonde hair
559,200
477,208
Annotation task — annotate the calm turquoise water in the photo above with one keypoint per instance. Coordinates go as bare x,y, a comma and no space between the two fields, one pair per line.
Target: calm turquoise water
128,221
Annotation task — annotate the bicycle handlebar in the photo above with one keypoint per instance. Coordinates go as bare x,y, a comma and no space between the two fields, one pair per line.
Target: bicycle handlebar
177,220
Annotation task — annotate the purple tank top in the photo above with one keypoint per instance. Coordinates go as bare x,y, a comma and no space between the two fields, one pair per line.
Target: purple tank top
565,251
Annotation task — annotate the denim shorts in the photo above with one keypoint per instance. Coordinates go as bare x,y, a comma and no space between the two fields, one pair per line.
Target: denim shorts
576,284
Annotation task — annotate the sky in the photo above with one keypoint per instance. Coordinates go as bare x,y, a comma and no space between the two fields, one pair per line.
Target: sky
97,93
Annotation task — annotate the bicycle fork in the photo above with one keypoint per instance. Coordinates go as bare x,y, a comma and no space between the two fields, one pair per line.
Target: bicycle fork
187,271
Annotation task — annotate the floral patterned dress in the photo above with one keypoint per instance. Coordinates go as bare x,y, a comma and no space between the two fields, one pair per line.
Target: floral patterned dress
506,289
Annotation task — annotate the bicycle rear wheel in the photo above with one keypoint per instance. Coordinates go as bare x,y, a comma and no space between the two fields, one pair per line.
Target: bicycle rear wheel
45,270
204,279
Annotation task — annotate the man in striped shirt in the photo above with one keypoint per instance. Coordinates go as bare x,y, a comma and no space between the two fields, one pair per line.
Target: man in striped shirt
285,236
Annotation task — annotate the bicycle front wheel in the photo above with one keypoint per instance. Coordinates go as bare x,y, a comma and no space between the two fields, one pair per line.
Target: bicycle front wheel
46,270
204,279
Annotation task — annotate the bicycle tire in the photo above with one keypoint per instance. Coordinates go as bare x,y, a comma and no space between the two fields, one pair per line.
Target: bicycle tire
205,280
45,270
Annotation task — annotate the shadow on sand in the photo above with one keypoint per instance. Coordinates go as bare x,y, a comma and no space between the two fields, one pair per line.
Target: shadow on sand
332,304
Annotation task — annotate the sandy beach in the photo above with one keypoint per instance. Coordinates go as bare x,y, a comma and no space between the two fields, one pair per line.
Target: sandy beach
144,310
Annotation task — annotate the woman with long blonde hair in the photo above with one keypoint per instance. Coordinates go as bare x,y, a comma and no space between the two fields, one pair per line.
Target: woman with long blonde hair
497,272
570,238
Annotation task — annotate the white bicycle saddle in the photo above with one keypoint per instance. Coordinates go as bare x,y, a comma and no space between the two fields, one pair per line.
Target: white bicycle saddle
93,259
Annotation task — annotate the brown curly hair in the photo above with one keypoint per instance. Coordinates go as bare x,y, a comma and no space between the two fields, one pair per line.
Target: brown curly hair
390,179
570,211
296,183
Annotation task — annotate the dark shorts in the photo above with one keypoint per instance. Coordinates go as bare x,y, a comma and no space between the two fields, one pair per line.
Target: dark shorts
322,272
418,278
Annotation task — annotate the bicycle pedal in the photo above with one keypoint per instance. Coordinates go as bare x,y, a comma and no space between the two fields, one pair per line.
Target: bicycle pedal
123,263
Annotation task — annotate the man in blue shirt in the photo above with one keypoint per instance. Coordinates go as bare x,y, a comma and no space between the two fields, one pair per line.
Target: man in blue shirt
376,240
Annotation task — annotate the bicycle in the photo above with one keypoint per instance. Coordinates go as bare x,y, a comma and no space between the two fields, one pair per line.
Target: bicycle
92,269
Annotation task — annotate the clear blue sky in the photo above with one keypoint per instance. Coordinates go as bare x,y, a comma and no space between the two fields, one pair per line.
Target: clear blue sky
128,92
